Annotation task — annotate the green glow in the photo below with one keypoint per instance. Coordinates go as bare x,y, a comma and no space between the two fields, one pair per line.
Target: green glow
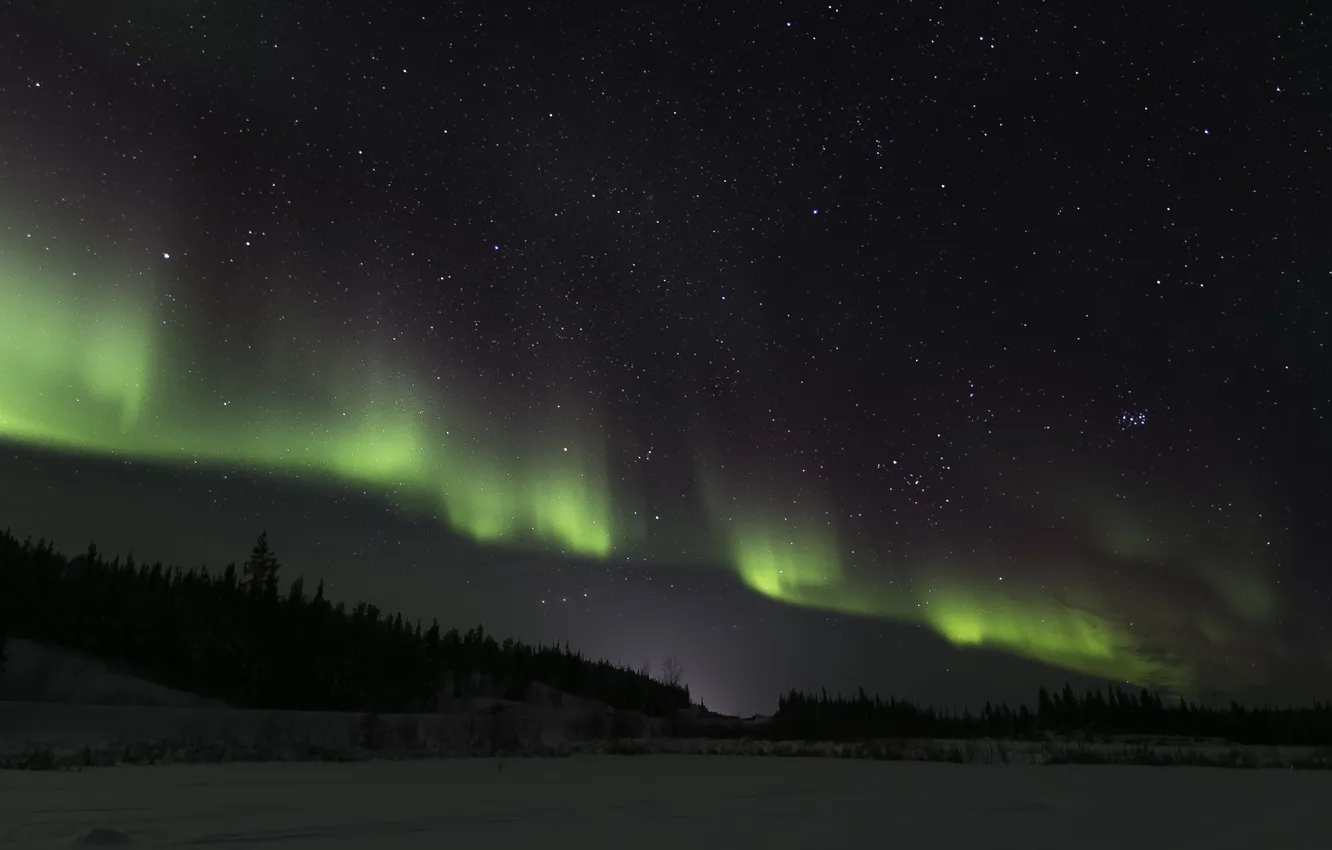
89,393
1154,528
1047,631
107,367
1025,624
89,365
564,498
789,558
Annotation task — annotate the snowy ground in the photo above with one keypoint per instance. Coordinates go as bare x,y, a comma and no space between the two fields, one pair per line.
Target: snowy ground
41,673
669,802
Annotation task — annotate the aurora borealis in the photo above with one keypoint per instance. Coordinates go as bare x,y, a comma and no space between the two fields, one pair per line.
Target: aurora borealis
975,386
88,369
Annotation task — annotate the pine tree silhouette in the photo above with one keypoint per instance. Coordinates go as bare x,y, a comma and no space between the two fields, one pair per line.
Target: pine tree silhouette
261,571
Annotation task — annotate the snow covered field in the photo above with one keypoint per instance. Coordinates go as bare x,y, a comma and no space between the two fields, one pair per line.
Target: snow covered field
589,801
41,673
668,802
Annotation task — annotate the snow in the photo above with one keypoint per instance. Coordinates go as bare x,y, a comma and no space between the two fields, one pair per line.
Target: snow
64,735
744,794
34,671
283,735
664,802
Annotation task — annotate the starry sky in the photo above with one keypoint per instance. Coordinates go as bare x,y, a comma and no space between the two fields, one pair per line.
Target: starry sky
945,350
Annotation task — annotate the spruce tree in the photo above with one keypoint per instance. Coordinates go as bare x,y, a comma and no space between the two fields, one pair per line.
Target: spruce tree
261,571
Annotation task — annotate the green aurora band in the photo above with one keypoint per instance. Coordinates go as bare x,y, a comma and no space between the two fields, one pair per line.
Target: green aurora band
108,368
1048,611
84,367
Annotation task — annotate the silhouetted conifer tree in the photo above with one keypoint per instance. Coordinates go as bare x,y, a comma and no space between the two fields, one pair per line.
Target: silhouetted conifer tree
238,639
261,571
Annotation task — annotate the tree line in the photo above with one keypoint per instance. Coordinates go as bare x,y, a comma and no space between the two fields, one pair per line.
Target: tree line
238,637
1114,711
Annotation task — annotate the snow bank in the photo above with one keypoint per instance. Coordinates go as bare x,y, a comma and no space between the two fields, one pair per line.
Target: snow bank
984,752
661,802
49,735
41,673
45,736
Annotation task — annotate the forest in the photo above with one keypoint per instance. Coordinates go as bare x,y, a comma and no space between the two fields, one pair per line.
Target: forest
1096,714
238,637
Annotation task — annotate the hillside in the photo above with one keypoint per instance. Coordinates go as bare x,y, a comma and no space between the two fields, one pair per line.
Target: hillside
36,673
238,637
97,631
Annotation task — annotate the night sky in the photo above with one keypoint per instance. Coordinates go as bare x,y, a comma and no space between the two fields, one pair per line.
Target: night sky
945,350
